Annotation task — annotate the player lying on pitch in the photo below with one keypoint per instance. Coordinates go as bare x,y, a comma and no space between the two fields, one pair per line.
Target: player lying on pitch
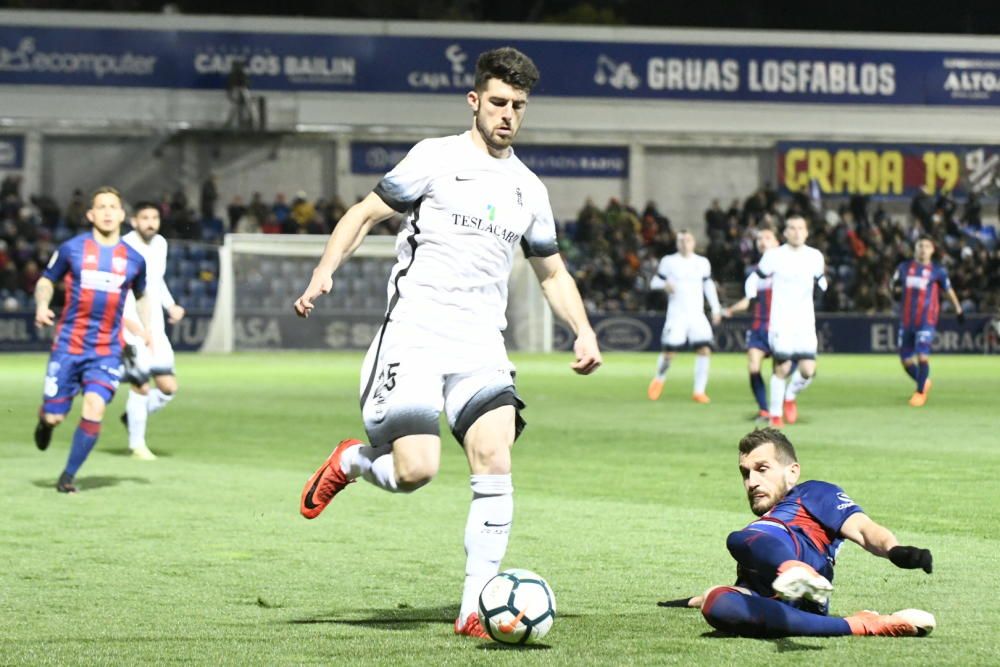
785,558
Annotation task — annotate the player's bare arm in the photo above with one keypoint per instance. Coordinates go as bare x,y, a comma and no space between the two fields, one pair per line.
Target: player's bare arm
44,289
739,307
956,304
563,296
879,540
345,239
142,309
175,313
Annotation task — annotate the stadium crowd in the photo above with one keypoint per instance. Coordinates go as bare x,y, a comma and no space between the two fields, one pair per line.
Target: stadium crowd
613,251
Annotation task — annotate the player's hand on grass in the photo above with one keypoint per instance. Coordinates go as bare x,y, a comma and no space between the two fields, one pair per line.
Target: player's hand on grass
911,558
175,313
44,317
320,284
588,354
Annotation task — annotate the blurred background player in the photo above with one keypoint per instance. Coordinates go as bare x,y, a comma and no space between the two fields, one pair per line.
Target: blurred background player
921,283
151,352
687,280
469,202
795,271
789,553
757,290
86,353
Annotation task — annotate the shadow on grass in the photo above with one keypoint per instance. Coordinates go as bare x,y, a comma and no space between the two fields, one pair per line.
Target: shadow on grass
783,645
127,453
90,483
400,618
497,646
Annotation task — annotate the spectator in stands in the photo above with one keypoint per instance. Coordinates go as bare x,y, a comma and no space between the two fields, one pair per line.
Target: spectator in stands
209,195
280,208
302,211
11,187
235,211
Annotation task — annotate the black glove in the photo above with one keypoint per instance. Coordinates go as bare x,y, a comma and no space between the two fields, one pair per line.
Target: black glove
911,558
961,318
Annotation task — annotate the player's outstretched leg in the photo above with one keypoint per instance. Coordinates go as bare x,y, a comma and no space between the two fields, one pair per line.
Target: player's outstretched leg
730,610
770,551
919,397
797,383
135,417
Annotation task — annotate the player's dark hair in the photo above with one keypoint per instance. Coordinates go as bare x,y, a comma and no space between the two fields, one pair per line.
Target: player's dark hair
143,205
509,65
760,436
106,190
927,237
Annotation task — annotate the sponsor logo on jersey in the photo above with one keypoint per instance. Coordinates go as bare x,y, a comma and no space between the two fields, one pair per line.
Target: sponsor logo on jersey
485,226
917,282
102,281
119,264
845,501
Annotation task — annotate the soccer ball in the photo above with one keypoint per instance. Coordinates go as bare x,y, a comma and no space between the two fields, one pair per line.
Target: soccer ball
517,607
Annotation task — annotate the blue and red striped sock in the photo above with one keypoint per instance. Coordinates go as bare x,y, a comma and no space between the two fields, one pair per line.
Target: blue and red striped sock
923,372
84,439
759,391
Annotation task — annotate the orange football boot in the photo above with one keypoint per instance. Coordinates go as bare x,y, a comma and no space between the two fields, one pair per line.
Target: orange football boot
326,482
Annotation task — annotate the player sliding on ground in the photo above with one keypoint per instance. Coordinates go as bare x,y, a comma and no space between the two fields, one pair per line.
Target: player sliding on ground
785,558
469,201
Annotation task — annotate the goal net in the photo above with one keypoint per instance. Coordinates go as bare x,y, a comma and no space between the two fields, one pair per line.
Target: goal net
260,276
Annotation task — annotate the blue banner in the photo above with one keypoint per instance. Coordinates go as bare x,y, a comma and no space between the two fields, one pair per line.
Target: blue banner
855,334
83,56
888,170
11,152
560,161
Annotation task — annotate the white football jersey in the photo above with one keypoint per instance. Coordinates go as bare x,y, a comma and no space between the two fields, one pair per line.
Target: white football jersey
794,273
691,278
157,294
466,212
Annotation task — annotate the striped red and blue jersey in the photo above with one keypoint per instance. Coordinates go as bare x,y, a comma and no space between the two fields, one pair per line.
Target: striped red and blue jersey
815,511
762,302
97,280
922,287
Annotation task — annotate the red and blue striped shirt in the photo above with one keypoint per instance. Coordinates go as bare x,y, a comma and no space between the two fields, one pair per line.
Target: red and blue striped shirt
922,286
97,280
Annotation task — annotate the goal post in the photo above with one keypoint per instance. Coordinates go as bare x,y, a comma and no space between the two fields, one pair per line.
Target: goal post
261,275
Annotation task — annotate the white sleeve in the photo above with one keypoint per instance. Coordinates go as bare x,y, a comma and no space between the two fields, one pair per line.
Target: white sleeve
409,180
166,298
130,312
539,239
659,281
750,285
820,275
711,293
766,265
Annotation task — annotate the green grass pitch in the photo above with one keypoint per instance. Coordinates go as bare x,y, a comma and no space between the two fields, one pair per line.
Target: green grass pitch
620,502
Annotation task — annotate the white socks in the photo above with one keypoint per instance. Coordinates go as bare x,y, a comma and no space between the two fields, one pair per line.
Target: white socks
136,411
701,365
374,464
797,384
486,533
157,400
777,395
662,365
138,408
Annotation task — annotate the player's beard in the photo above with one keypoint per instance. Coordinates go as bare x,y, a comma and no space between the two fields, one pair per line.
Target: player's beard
494,142
770,501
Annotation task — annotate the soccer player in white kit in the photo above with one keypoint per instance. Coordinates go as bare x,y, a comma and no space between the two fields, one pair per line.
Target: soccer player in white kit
795,270
687,279
469,201
151,355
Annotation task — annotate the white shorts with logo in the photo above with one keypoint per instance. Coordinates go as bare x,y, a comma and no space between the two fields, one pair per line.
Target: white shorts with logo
793,343
680,332
159,361
409,377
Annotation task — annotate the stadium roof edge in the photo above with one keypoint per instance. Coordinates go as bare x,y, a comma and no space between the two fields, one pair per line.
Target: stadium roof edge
335,26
